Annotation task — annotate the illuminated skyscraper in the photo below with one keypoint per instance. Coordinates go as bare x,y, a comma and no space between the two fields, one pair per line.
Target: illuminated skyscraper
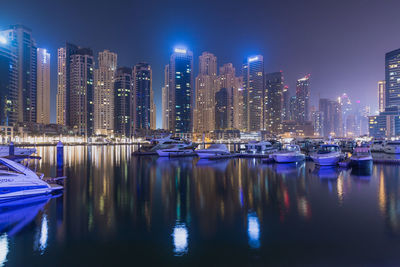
303,99
221,109
22,47
63,83
273,101
82,91
123,100
227,79
8,82
43,86
285,103
206,87
245,95
180,91
143,91
332,114
255,89
166,104
104,93
382,95
392,76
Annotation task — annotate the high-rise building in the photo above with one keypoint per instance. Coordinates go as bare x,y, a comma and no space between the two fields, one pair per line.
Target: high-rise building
227,79
347,110
285,103
238,106
255,89
8,81
303,99
143,92
245,94
166,104
392,77
43,86
82,92
206,87
332,113
180,91
23,48
293,108
381,95
104,93
221,109
273,107
153,112
318,123
63,83
123,100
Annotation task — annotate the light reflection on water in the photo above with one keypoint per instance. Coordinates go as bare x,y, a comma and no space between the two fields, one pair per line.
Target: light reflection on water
160,207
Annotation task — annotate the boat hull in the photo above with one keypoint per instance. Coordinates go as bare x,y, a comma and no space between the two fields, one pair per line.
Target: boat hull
361,163
326,161
176,153
288,158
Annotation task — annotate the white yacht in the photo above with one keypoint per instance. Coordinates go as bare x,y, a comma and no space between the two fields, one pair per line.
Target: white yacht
377,145
261,147
18,151
361,157
327,155
179,150
17,181
392,147
290,153
213,151
158,144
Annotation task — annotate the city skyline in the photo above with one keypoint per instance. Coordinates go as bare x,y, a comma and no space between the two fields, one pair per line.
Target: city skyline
281,52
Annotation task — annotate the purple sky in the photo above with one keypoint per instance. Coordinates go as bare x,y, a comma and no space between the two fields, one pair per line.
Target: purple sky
341,43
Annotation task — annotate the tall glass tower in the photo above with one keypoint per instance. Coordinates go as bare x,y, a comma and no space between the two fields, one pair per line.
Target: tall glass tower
142,78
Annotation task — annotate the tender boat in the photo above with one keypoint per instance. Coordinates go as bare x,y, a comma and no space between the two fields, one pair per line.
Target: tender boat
18,151
213,151
392,147
327,155
180,150
361,157
289,154
377,145
18,181
262,147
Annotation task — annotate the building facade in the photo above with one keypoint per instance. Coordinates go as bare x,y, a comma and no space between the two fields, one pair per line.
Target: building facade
273,104
143,96
82,92
104,93
255,89
123,100
303,99
382,95
205,90
43,86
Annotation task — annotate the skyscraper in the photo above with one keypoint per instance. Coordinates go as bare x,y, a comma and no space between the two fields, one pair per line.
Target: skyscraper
245,94
165,94
303,99
123,100
82,92
382,95
392,77
63,83
285,103
332,114
143,91
8,81
273,101
255,89
206,87
23,48
293,109
221,109
104,93
43,86
180,91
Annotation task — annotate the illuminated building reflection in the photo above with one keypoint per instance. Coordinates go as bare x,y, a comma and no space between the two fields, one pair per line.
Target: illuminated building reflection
180,236
3,249
253,230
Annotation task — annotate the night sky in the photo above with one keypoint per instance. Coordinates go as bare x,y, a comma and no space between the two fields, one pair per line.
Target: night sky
340,42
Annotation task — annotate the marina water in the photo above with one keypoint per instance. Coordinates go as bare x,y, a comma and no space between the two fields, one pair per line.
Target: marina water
117,209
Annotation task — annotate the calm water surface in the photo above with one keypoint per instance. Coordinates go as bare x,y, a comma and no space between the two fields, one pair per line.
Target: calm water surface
138,211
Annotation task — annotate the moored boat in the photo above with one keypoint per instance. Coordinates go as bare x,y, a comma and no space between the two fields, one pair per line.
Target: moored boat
18,151
260,148
289,154
180,150
214,151
377,145
158,144
361,157
18,181
327,155
392,147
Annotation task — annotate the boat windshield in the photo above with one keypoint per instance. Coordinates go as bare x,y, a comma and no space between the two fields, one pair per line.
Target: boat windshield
7,166
292,148
328,149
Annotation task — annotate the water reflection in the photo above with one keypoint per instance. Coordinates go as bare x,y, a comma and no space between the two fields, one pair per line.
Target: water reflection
3,249
180,237
253,230
183,205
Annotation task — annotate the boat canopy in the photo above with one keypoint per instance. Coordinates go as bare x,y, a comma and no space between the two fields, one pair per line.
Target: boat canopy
218,146
16,167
